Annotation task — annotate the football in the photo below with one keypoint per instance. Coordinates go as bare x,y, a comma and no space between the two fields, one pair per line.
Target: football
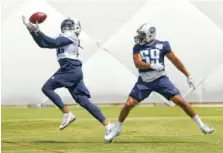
37,17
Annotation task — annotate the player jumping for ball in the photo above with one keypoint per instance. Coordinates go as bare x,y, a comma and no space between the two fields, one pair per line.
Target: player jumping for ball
148,56
69,75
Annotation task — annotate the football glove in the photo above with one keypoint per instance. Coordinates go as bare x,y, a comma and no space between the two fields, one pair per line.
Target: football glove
191,82
157,66
29,26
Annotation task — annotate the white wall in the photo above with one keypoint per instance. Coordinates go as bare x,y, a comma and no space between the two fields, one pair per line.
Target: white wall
109,76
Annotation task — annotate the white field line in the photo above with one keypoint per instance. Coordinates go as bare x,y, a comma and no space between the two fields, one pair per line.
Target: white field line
130,118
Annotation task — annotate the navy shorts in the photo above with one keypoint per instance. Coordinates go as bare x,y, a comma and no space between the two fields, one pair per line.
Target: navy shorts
69,76
162,85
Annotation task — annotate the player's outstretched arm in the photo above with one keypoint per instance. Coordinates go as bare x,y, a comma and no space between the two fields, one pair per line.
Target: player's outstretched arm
38,40
49,42
177,63
43,40
180,66
33,30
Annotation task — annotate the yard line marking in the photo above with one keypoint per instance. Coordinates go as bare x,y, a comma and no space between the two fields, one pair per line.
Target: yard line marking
32,147
130,118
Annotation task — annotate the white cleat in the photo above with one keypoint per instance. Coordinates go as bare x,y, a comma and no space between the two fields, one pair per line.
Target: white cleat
111,135
207,130
68,118
109,129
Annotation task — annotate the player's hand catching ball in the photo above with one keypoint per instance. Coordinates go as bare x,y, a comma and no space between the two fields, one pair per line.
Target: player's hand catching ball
191,82
30,27
157,66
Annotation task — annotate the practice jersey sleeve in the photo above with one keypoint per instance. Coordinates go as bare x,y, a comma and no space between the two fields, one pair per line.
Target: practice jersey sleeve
136,50
47,42
166,47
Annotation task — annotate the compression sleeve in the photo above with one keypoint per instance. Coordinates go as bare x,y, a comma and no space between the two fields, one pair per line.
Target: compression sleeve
38,40
45,41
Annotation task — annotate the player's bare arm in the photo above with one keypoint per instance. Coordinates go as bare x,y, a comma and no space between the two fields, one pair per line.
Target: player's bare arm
177,62
180,66
139,63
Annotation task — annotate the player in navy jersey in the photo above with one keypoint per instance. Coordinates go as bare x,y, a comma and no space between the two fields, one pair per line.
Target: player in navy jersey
69,75
148,56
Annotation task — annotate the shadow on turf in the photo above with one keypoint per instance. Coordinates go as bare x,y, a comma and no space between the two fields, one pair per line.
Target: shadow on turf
63,142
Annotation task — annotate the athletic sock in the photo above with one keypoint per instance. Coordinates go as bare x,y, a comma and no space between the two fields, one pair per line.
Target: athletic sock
118,125
197,119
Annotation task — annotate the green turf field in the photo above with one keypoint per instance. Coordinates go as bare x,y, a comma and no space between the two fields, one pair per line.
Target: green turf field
147,130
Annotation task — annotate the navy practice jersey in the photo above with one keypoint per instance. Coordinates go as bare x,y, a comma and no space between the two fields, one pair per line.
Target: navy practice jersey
66,45
69,51
153,53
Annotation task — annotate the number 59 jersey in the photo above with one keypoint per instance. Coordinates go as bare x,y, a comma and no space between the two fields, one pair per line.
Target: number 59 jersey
153,53
69,51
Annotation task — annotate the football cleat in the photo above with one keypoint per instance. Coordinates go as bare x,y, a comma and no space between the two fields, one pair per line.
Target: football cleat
68,118
109,129
207,130
111,135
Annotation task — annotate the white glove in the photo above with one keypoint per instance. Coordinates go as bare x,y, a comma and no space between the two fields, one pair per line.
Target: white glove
191,82
157,66
30,27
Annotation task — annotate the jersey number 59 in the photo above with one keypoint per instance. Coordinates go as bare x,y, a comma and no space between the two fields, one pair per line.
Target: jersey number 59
151,56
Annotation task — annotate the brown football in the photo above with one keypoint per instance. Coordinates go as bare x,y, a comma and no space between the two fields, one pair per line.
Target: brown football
37,17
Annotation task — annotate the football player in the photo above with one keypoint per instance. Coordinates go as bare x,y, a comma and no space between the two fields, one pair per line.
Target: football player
70,74
148,56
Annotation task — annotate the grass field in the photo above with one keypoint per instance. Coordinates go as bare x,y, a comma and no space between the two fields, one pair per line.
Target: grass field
147,130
